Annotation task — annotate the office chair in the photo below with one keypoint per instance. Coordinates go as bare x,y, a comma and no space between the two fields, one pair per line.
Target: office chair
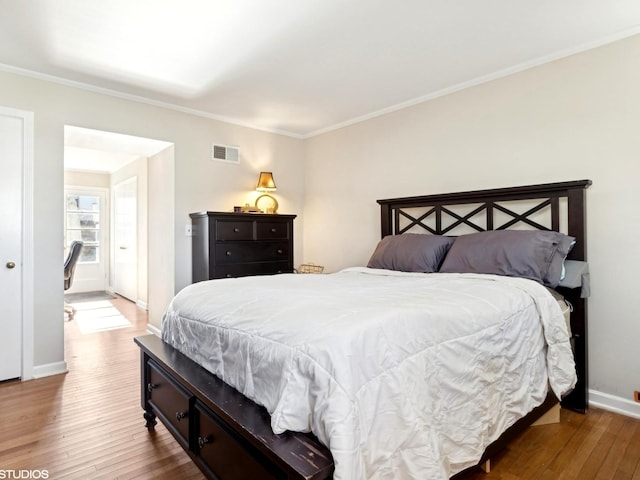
69,269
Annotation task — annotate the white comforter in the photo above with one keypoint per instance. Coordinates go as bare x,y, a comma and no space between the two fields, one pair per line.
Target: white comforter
401,375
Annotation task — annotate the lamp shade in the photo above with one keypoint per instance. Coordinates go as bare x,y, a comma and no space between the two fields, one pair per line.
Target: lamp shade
266,182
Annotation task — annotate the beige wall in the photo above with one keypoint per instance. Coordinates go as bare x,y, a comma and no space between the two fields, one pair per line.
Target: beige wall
577,118
200,184
161,248
86,179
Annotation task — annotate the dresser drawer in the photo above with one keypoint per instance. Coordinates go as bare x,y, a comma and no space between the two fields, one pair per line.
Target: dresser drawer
272,230
227,455
251,252
233,270
170,402
234,230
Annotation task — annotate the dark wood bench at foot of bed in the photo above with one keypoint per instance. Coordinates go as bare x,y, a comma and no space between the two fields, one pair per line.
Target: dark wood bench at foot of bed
226,435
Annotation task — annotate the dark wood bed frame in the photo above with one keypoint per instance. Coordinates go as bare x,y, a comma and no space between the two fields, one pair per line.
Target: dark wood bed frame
229,437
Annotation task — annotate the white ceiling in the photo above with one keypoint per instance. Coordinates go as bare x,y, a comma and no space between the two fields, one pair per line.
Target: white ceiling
298,67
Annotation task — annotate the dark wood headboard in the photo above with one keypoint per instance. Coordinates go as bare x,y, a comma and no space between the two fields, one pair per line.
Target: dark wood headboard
557,206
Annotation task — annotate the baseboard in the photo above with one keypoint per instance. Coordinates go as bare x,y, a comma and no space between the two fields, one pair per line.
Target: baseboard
614,404
49,369
153,329
142,305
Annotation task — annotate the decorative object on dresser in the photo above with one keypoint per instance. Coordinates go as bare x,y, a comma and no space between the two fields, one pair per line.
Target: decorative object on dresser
265,202
228,244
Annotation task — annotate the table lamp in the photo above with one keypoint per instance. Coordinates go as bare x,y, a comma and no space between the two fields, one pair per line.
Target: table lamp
266,202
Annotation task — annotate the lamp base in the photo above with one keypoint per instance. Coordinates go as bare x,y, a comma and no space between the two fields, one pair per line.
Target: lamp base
267,203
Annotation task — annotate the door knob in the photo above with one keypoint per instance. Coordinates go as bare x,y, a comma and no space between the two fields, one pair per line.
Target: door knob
11,265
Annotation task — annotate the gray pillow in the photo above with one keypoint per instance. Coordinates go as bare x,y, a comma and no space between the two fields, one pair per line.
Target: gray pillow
534,254
410,252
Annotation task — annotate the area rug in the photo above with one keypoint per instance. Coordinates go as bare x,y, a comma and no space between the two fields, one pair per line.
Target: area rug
98,316
88,296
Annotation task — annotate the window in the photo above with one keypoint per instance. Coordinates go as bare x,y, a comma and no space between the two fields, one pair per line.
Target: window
83,223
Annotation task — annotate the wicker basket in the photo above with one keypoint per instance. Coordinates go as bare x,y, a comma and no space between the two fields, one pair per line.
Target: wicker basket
310,268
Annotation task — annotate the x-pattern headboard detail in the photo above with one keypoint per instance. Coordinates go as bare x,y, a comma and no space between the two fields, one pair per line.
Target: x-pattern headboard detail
467,219
491,210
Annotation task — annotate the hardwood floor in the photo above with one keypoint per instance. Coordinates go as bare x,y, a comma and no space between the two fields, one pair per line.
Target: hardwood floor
87,424
598,445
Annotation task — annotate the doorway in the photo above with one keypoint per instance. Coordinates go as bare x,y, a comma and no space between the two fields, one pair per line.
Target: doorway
120,164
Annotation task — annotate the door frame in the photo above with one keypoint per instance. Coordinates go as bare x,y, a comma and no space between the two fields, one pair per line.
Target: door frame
26,261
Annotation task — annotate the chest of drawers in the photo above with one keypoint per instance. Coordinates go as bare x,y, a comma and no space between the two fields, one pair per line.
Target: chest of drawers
240,244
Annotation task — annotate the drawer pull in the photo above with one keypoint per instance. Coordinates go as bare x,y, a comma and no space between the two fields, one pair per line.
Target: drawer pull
151,386
229,275
274,230
228,253
236,229
204,441
279,252
181,415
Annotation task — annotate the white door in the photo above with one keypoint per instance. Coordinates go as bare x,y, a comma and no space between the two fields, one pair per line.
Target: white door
125,239
86,220
11,268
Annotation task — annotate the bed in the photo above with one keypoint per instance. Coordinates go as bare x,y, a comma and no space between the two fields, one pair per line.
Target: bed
394,367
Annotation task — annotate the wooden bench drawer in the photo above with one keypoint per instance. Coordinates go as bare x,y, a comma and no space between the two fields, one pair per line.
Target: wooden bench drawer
226,455
170,402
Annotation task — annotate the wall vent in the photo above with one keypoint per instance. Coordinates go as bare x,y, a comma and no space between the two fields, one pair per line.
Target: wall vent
225,153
